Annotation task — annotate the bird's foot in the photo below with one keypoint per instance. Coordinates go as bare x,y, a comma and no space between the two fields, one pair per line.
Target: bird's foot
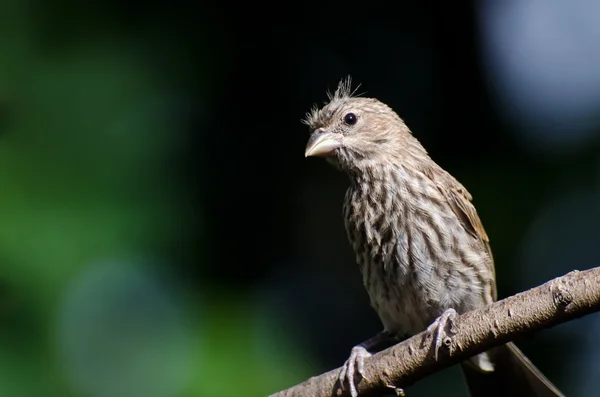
438,329
355,363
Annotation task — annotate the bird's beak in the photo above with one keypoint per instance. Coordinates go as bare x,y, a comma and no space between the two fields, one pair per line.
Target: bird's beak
322,143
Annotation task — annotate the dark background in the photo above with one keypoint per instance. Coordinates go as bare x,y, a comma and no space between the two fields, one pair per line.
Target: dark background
162,234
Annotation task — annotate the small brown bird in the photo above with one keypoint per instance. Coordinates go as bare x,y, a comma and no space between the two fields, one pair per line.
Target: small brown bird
420,245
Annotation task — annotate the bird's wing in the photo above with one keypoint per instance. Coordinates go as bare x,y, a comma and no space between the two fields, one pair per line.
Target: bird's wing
459,199
460,202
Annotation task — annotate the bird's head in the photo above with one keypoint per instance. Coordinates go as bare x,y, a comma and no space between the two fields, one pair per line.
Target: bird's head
352,131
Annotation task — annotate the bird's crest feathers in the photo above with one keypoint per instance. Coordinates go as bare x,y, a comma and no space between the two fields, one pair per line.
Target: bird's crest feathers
343,92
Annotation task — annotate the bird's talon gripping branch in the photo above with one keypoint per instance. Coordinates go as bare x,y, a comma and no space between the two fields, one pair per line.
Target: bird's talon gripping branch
355,363
399,391
438,330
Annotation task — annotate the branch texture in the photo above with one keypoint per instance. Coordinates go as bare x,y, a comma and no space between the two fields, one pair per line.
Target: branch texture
559,300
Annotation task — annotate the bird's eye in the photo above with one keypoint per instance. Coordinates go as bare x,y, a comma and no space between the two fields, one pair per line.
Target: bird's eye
350,119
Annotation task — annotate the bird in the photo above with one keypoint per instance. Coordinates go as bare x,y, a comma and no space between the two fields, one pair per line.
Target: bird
422,250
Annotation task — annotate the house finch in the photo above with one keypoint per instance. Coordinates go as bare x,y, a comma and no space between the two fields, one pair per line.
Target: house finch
420,245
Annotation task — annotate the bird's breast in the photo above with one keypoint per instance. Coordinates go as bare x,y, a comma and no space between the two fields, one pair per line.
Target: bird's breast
379,238
411,271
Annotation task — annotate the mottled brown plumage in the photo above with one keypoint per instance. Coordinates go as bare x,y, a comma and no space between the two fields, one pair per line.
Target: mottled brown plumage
418,240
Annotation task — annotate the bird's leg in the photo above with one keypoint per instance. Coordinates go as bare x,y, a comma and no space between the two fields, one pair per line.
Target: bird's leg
438,329
355,362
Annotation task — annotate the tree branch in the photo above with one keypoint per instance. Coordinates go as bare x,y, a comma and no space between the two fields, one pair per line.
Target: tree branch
559,300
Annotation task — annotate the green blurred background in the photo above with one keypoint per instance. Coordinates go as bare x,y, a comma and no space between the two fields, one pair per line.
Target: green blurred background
162,234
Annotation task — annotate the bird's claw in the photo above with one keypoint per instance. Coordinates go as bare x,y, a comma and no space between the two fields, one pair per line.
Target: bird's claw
438,329
355,363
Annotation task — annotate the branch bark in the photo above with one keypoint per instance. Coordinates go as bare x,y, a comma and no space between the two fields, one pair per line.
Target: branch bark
559,300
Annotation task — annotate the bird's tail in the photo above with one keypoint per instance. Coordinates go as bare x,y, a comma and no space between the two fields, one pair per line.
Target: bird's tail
514,375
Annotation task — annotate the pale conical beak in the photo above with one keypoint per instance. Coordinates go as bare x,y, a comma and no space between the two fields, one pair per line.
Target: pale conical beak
322,143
